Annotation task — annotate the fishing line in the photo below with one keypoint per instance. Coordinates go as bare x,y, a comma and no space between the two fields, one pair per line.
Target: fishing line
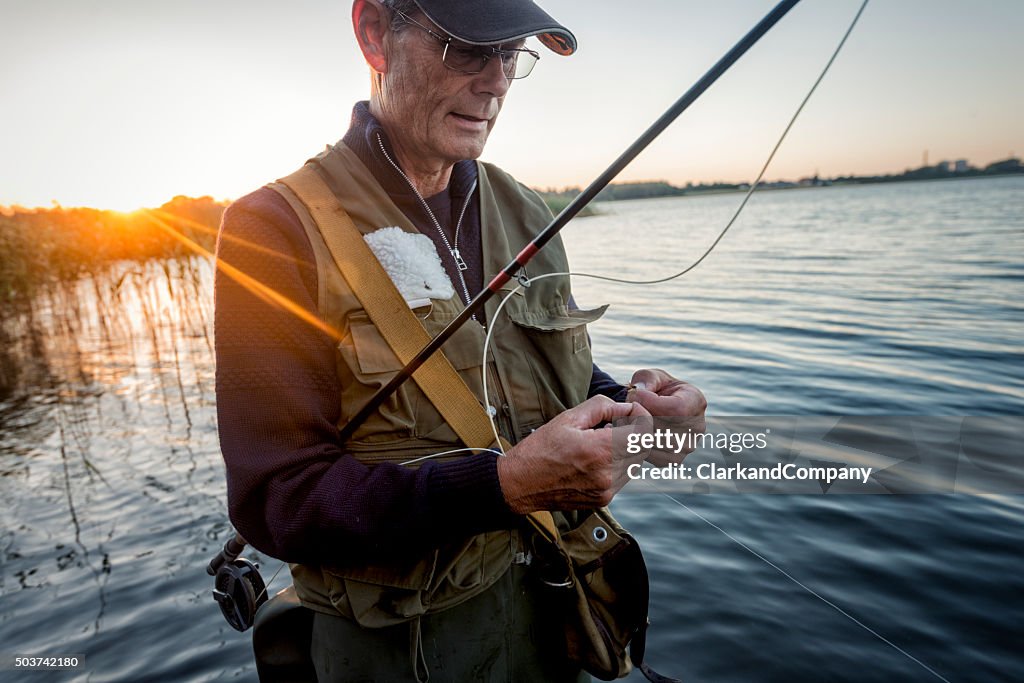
451,452
266,586
760,175
687,269
806,588
683,272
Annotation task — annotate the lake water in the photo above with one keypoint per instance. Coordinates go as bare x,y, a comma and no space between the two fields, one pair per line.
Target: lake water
902,299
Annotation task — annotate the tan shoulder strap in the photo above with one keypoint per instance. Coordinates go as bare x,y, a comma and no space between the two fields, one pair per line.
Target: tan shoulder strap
388,311
396,322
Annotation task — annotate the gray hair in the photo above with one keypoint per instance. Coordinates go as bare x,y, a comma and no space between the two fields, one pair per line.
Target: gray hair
406,7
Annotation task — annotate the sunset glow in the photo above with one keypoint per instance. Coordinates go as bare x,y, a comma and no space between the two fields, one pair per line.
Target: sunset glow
129,105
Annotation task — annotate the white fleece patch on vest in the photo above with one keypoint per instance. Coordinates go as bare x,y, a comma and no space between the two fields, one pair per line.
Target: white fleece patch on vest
411,262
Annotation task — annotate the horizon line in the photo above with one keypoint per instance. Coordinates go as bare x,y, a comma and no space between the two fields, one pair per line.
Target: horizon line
55,204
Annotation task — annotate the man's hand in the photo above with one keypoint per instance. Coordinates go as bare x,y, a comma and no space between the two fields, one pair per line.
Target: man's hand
568,464
664,396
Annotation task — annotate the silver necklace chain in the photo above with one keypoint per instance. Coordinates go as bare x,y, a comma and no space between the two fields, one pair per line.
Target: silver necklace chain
460,263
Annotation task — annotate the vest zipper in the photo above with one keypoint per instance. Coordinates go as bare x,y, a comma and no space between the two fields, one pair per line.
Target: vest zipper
460,263
502,412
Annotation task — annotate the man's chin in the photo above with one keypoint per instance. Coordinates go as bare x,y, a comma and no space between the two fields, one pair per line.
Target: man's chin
468,150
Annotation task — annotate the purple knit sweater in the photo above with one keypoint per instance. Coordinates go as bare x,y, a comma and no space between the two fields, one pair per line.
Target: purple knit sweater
293,492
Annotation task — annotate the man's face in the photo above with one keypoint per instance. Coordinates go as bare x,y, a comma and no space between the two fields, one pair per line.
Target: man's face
438,115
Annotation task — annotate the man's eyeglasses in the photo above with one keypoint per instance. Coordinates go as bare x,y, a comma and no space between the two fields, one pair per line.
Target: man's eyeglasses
472,59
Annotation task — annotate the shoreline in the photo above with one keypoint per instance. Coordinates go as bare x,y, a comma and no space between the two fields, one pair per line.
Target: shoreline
769,187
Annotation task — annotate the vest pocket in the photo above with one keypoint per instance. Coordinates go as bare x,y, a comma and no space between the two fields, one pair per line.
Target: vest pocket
368,360
558,319
365,364
465,352
378,595
557,351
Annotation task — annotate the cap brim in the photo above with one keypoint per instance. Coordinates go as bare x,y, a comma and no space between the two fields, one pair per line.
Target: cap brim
486,22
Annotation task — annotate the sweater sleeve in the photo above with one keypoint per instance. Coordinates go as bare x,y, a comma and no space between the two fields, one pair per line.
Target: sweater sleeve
293,492
602,383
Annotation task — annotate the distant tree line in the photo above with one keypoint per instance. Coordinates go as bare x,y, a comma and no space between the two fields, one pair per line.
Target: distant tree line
559,199
937,172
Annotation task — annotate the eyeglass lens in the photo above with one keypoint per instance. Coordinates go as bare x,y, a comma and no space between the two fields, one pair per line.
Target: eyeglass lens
473,59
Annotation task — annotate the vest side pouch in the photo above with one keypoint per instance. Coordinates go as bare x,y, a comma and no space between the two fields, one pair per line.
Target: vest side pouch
606,609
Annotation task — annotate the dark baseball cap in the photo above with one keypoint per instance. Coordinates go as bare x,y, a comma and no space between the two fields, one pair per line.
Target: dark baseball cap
486,22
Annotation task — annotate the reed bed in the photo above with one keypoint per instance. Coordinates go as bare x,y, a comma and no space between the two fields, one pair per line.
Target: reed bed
55,263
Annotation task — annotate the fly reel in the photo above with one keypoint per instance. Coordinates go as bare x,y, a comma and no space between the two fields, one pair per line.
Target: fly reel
238,588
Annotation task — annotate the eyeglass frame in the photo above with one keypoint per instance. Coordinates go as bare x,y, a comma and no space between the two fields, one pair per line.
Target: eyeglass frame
485,52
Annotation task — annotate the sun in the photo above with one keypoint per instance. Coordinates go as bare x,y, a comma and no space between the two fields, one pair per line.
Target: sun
129,203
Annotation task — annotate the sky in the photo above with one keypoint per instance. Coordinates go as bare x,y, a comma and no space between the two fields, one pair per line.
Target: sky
123,104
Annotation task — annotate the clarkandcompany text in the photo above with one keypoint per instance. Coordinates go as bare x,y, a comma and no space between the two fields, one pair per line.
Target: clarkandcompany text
778,472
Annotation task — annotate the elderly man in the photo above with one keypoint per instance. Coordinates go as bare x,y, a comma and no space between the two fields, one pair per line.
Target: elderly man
416,570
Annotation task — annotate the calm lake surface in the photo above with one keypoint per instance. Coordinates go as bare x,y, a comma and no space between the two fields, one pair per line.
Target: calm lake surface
900,299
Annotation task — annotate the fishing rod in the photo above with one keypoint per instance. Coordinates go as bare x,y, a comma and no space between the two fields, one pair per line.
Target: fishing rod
570,211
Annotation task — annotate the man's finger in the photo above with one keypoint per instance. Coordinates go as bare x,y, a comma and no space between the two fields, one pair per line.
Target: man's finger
649,379
598,409
622,476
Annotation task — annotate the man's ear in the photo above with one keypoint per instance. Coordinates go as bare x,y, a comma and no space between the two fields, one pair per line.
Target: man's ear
370,20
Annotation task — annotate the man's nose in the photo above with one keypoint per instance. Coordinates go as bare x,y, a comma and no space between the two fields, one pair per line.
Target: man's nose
492,80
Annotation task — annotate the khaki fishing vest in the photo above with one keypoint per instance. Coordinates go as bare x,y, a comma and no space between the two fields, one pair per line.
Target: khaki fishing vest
538,365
